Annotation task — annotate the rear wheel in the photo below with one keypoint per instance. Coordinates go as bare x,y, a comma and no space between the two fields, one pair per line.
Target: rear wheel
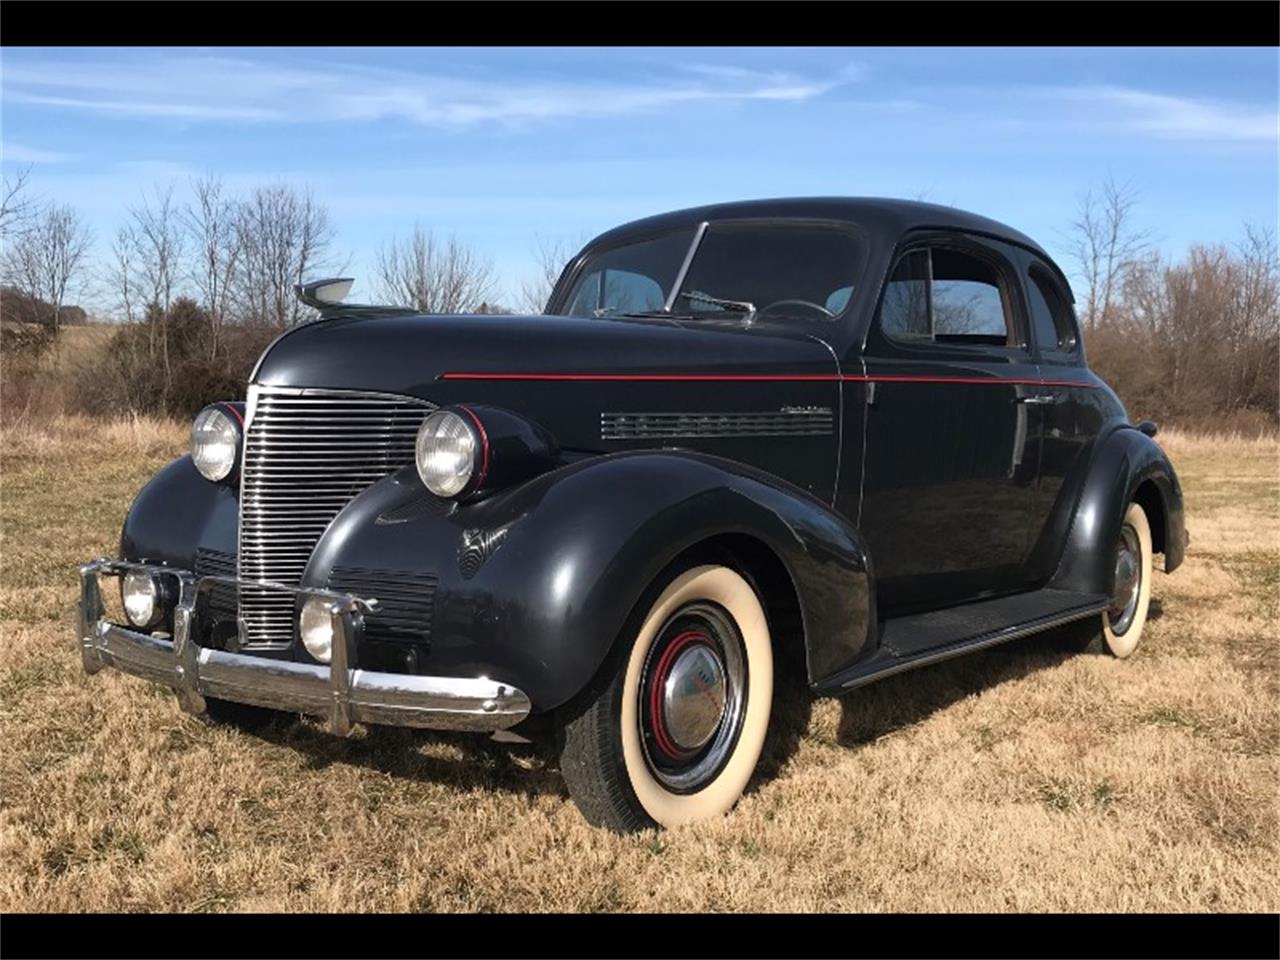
675,730
1122,624
1119,629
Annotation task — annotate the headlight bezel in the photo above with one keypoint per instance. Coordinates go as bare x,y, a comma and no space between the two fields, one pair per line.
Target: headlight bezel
230,418
507,449
478,456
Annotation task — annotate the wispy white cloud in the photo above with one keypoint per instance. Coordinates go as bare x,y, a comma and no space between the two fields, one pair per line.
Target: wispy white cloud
205,88
21,153
1173,117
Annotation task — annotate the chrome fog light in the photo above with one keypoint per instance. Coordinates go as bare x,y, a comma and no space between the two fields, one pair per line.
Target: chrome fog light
140,594
315,624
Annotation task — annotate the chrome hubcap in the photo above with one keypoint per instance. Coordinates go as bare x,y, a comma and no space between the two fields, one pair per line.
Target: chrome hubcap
1128,581
692,697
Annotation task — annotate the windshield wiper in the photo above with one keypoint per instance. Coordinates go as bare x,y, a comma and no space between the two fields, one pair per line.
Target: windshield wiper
745,307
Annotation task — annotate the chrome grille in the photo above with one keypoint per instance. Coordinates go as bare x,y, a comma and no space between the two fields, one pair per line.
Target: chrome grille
307,453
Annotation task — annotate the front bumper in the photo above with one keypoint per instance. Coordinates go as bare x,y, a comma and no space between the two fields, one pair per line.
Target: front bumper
339,691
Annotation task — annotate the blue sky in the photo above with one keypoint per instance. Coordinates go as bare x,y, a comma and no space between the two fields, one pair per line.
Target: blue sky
502,145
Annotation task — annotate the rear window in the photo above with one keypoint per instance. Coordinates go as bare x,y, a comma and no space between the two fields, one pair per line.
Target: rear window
1051,315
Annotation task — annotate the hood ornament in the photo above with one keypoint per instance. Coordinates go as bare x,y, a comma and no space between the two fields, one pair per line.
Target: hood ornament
324,293
327,295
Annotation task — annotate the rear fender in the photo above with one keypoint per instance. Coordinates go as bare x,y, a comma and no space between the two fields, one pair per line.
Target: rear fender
1126,465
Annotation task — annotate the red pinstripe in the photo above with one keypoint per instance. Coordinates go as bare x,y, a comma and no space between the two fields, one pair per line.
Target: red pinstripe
765,377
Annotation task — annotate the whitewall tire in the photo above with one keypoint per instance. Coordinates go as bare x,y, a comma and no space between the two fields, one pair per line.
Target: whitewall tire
675,730
1122,625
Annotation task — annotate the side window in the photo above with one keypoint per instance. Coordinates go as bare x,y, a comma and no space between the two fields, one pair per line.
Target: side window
968,306
943,295
1050,313
904,312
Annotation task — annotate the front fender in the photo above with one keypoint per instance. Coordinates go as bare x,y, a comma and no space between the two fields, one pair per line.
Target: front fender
1126,464
175,513
534,585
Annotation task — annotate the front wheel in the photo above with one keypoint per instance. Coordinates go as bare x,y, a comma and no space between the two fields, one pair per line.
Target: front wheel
674,732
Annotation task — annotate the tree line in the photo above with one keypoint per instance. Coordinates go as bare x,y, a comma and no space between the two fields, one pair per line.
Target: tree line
1193,340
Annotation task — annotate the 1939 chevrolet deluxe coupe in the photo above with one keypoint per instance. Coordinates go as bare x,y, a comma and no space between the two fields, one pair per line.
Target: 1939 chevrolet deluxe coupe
865,427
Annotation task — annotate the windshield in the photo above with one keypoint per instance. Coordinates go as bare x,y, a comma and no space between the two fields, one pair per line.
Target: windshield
772,271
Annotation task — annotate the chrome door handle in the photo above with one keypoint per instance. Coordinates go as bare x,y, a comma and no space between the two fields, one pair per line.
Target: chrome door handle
1036,398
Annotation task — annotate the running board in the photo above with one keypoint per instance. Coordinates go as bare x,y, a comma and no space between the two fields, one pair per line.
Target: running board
924,638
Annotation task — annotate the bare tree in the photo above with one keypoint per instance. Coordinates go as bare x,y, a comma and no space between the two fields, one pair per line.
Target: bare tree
433,275
17,208
283,237
1197,339
46,261
1105,244
158,231
157,226
550,258
120,276
211,226
1254,319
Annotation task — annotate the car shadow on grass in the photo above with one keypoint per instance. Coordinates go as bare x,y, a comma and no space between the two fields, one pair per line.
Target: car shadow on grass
465,761
469,761
901,701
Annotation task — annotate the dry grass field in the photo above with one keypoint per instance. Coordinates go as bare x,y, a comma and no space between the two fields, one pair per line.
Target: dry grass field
1021,778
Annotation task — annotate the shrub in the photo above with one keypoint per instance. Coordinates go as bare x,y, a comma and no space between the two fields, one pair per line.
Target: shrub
172,364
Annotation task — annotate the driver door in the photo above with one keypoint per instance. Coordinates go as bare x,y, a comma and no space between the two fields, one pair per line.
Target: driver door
953,428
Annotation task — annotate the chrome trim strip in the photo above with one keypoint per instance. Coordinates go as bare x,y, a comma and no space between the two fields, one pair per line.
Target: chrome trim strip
340,693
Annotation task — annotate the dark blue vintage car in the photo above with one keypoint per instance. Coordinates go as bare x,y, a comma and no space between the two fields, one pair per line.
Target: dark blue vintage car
858,433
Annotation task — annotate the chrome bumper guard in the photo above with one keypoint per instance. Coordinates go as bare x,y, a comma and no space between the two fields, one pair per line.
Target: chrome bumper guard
337,692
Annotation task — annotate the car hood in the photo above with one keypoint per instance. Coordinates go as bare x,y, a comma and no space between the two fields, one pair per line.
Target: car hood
415,355
765,395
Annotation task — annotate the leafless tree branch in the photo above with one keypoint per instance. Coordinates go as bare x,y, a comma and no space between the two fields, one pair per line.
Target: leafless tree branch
434,275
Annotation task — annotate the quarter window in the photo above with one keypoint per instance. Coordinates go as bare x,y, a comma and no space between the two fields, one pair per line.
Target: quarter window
946,296
1050,313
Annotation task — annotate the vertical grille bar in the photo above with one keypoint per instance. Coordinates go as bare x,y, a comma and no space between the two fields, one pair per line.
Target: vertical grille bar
307,453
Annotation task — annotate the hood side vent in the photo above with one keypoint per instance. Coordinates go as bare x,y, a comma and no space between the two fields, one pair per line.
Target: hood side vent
791,422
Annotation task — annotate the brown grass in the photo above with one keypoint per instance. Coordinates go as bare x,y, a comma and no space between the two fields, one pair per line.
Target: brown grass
1016,779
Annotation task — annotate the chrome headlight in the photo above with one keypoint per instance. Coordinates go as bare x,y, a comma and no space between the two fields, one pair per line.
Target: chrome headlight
215,441
451,452
315,626
140,594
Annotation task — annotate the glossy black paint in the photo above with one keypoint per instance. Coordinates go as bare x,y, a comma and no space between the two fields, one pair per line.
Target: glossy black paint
580,545
513,448
178,512
1124,464
927,482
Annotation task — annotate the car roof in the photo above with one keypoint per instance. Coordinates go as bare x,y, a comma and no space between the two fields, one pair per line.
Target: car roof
872,213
